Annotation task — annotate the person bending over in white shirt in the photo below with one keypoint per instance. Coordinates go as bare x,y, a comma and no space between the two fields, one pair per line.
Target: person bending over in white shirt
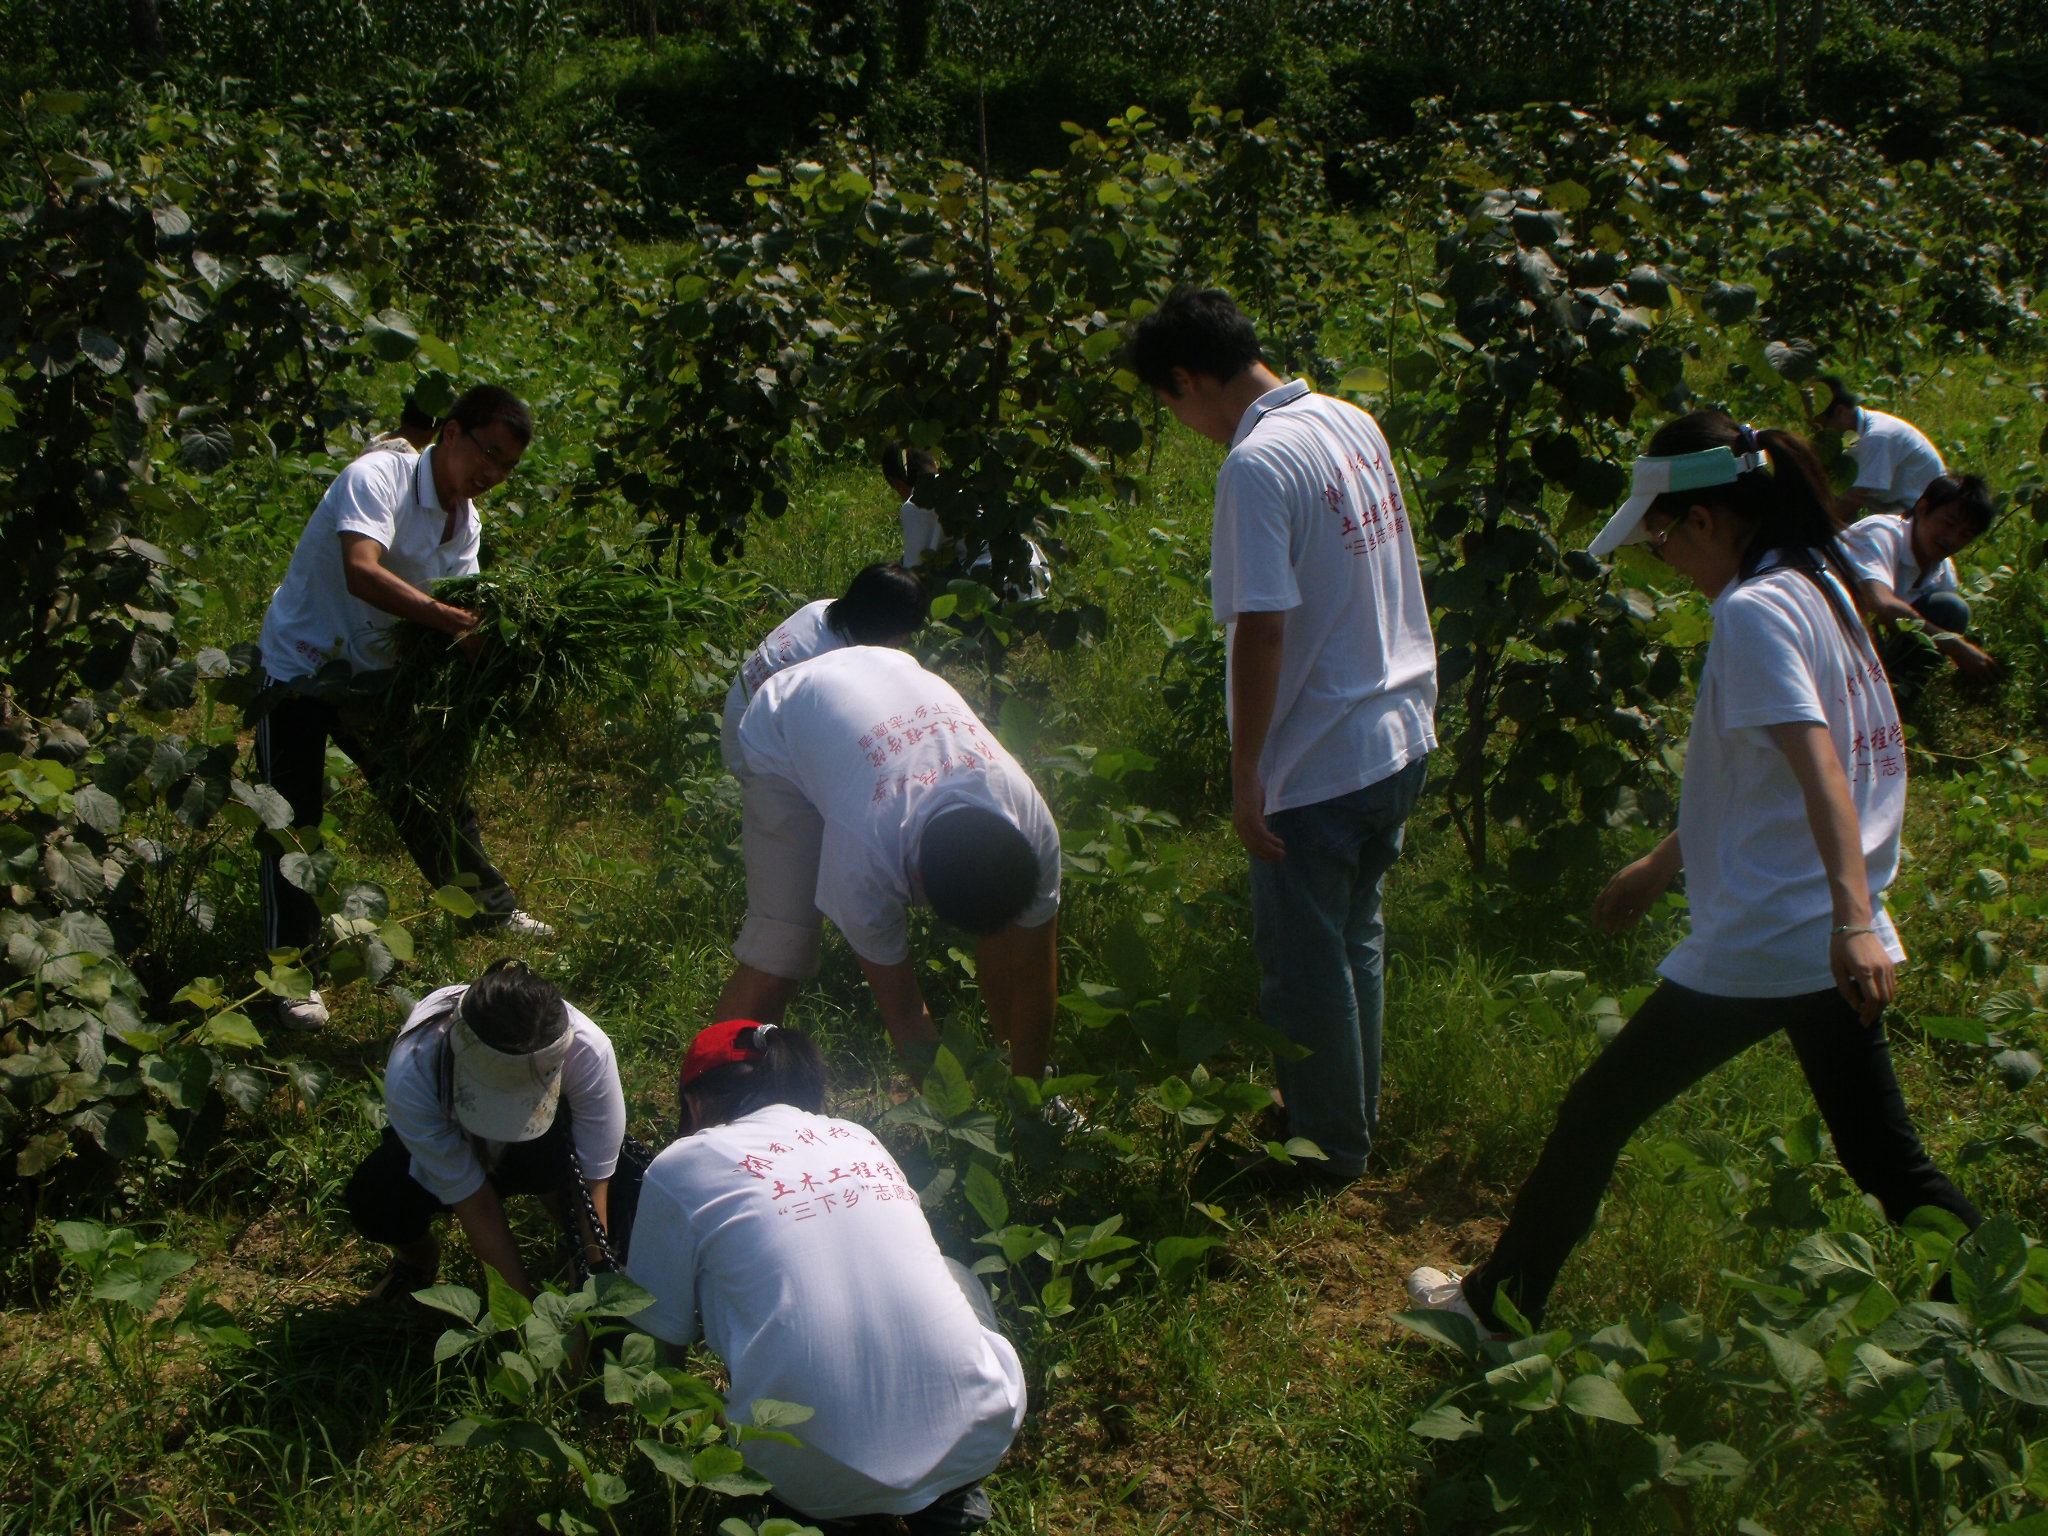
869,788
794,1246
391,525
1894,460
489,1089
1905,569
1788,834
884,605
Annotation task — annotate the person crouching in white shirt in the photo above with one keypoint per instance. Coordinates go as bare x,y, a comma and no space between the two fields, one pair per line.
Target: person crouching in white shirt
492,1089
1788,834
1905,570
793,1245
884,605
871,788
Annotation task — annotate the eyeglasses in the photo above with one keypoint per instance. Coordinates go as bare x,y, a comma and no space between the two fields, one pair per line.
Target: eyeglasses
497,457
1656,540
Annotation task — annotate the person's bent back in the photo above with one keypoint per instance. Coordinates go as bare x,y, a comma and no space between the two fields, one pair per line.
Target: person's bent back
794,1244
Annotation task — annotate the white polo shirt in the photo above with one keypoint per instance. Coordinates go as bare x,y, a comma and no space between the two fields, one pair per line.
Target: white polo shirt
1310,523
1880,548
1762,914
450,1163
1894,460
799,637
879,746
387,495
796,1246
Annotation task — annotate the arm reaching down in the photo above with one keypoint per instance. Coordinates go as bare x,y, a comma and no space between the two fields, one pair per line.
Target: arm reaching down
1257,643
1018,969
1862,969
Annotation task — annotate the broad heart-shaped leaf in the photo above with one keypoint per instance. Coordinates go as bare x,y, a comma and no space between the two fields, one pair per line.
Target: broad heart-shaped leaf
2015,1361
458,1301
310,872
670,1462
985,1194
271,808
1178,1258
1595,1397
455,1341
1531,1384
231,1031
724,1470
1989,1271
1882,1387
392,336
1728,303
769,1413
1452,1329
1798,1366
946,1089
309,1078
1446,1421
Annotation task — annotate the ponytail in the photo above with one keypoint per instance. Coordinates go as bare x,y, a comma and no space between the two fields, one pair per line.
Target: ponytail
1787,505
781,1066
883,604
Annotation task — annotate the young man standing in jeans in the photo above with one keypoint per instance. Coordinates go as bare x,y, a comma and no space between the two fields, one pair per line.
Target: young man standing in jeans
1332,689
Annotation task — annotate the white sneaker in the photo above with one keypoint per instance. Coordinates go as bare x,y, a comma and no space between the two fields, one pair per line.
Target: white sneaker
1436,1291
527,926
1056,1112
308,1012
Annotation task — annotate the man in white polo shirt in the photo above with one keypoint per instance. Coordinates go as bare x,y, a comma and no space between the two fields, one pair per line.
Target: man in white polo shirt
1332,692
870,788
1894,460
393,523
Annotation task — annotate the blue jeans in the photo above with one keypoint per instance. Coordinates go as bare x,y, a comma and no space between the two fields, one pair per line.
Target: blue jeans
1322,958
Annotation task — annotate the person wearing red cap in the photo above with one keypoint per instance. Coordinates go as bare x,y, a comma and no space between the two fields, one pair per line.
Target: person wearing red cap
793,1245
872,788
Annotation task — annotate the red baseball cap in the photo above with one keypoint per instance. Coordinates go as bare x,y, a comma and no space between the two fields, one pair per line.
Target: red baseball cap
720,1045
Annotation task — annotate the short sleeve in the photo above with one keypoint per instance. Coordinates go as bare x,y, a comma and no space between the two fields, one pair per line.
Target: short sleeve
597,1104
366,496
921,533
1865,548
1766,667
1251,541
761,745
1874,454
663,1260
861,901
444,1160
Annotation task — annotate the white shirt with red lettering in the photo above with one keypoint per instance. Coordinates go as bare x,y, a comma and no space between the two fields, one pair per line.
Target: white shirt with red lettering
1310,523
794,1244
799,637
1880,548
880,746
1761,910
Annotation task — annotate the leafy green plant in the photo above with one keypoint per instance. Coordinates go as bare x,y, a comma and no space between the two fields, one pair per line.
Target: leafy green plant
127,1276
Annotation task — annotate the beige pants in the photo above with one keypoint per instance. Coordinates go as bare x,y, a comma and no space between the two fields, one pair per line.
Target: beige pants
781,834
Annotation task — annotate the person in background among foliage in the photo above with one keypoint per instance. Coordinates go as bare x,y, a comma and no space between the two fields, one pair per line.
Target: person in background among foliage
926,549
1788,834
1905,570
1894,460
884,605
872,788
389,527
489,1089
794,1246
1332,692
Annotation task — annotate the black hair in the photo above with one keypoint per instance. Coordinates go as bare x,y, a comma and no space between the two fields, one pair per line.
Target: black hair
782,1067
1787,504
1968,492
477,407
1198,329
905,464
513,1010
414,422
1840,393
977,869
883,603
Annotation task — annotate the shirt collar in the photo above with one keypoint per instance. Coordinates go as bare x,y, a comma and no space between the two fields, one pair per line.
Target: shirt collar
1271,400
424,489
1862,422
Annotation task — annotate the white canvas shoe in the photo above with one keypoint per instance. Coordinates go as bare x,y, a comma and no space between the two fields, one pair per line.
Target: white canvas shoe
1435,1290
527,926
308,1012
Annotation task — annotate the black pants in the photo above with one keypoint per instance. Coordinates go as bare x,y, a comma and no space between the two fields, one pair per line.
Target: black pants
1676,1038
964,1509
291,745
388,1205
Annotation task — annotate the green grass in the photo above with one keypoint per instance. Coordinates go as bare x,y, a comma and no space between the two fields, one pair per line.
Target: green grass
1273,1396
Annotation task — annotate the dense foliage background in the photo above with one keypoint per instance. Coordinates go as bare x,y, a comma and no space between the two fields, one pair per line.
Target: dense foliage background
730,251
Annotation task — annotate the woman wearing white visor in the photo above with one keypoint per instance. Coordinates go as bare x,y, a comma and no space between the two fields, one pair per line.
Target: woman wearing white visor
1788,833
489,1089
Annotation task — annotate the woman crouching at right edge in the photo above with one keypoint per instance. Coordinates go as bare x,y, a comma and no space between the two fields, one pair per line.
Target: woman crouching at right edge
1788,833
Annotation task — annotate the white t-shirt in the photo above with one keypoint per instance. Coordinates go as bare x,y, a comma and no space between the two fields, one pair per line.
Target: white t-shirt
1761,910
1894,460
386,494
880,746
452,1164
1310,523
922,534
801,1247
799,637
1880,548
